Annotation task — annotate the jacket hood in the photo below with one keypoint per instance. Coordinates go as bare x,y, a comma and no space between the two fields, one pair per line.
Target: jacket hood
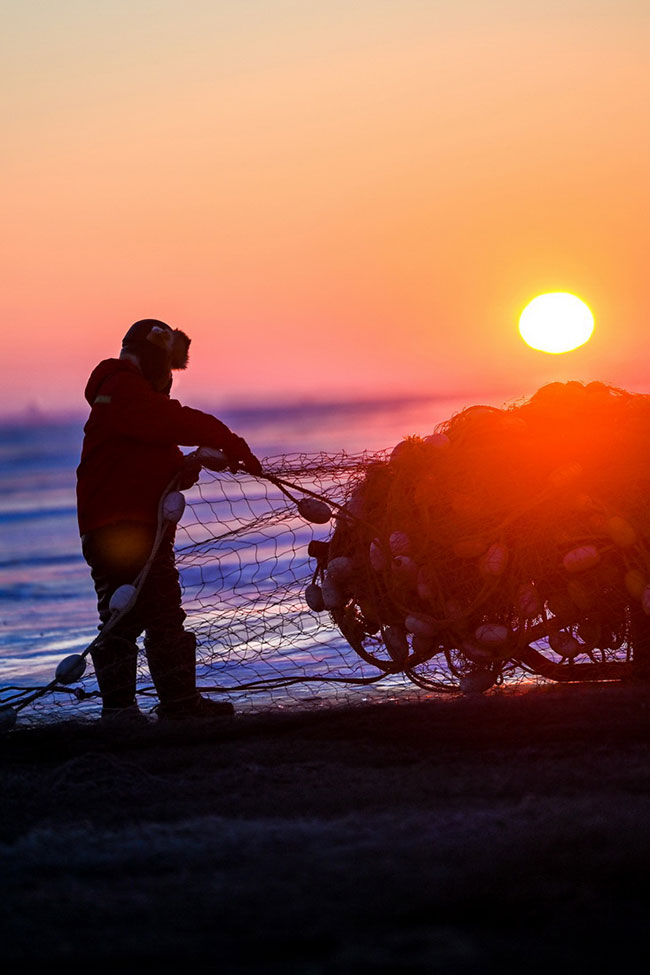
102,372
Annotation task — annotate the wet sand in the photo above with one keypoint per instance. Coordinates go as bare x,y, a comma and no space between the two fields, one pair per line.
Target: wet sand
462,835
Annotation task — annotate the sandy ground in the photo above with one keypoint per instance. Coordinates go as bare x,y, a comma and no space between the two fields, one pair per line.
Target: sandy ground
474,835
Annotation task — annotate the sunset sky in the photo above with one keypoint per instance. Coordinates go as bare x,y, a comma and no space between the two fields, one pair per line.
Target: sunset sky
331,198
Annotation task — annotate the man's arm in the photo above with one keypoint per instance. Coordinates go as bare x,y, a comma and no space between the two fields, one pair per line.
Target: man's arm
135,410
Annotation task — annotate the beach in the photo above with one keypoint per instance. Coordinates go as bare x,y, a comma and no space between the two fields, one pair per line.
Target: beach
445,835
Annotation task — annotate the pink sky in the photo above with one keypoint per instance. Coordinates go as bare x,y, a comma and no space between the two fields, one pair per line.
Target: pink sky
331,199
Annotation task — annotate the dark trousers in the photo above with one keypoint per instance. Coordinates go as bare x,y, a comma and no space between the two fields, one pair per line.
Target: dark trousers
116,554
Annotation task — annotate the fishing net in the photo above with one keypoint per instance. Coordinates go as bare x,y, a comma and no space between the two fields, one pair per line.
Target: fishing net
508,543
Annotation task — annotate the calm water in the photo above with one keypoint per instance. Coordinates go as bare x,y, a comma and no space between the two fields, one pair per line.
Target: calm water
47,603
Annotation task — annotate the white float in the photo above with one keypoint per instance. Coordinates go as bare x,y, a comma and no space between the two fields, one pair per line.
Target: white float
212,459
333,596
314,597
564,644
494,562
438,440
173,507
340,569
529,601
477,682
399,544
71,669
122,599
581,558
377,556
314,511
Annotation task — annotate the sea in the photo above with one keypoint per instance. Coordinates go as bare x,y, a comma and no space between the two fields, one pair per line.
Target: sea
47,602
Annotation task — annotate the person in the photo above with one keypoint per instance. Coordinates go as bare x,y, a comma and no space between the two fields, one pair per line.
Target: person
130,454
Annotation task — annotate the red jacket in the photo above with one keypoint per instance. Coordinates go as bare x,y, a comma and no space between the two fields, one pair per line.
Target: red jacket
130,451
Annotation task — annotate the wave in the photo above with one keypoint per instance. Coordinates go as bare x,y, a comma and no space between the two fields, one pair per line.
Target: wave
67,559
33,592
32,514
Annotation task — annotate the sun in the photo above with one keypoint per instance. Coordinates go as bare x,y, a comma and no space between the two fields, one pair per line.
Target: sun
556,322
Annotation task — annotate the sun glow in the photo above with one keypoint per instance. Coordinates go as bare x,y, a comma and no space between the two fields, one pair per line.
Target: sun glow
556,322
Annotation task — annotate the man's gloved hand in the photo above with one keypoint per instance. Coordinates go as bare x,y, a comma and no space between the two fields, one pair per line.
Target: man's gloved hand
189,472
239,453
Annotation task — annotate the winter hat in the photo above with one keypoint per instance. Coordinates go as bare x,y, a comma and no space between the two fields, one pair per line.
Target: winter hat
159,349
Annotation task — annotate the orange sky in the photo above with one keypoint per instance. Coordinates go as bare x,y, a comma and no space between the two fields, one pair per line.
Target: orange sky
330,198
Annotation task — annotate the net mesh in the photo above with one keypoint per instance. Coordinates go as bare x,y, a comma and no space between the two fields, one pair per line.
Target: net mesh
511,542
243,554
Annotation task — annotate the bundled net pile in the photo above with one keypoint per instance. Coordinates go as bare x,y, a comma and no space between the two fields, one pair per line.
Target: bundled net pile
509,541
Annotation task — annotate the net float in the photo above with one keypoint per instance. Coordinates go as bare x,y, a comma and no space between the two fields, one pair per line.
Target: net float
494,562
401,448
580,559
399,544
122,599
635,582
529,602
340,569
492,634
320,551
377,556
621,532
314,598
212,459
477,682
70,669
438,440
396,644
314,511
333,597
421,625
564,644
173,506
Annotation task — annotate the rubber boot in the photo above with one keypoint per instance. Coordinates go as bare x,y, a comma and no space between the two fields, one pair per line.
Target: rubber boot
116,664
172,665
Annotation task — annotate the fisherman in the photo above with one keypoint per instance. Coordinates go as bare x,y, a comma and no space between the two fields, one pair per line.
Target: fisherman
129,457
